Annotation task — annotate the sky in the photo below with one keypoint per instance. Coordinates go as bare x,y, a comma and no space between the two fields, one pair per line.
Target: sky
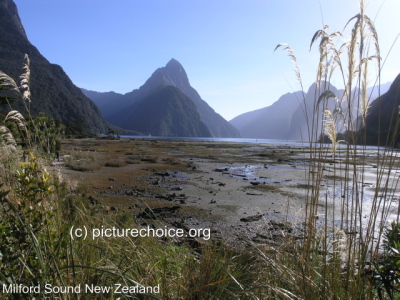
225,46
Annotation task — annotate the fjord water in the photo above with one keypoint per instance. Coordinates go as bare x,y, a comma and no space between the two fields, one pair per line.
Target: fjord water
275,142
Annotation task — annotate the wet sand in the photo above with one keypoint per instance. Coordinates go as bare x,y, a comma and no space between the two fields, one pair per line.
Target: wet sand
239,190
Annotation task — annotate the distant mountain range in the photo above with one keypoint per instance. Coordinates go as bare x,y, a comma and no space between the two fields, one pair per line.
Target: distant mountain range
52,91
166,105
272,122
286,118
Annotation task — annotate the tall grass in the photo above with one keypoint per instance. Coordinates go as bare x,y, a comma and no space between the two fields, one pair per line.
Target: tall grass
325,269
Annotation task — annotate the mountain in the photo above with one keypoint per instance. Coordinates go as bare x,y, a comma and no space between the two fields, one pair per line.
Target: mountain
172,114
108,103
52,91
375,92
117,106
286,118
383,118
272,122
305,121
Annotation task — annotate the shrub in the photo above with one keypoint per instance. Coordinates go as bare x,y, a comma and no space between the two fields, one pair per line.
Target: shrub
386,276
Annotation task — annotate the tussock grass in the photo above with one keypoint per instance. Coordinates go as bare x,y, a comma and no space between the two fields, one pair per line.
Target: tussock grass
114,164
341,265
85,161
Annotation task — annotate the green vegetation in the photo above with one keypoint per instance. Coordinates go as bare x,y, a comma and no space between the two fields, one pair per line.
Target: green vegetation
83,161
386,275
342,259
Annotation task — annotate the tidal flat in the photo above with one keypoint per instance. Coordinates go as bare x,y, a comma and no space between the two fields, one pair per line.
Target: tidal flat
242,191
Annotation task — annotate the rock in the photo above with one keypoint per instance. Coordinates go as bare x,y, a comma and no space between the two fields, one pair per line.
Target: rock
274,225
149,213
93,200
221,169
178,188
162,174
252,218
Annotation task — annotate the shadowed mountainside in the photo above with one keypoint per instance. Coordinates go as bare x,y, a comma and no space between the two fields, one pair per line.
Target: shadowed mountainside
286,118
383,118
272,122
52,91
172,114
117,106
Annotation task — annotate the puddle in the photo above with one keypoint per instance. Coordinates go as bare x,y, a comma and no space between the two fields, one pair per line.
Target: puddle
176,153
266,174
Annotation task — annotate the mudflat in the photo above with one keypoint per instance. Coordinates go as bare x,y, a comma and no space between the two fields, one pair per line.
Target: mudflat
239,190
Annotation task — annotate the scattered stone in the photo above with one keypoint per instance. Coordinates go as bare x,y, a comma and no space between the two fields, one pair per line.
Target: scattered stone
163,174
274,225
178,188
93,200
252,218
160,211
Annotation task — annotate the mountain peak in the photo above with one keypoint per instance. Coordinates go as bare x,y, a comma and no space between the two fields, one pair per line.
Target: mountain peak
174,65
173,62
172,74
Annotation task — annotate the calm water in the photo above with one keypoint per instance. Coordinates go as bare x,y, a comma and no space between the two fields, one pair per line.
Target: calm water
287,143
235,140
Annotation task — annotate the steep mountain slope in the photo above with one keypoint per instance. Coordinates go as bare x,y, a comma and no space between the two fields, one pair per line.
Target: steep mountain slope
52,91
383,122
272,122
174,74
165,112
285,118
115,106
108,103
301,126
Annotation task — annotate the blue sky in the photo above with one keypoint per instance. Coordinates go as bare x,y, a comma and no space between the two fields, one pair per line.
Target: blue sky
225,46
